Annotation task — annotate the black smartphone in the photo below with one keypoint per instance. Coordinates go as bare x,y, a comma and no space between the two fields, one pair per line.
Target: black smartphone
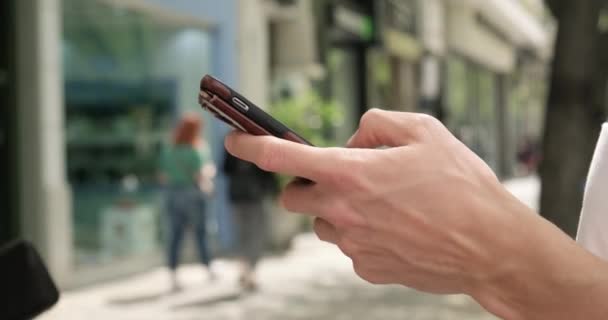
240,113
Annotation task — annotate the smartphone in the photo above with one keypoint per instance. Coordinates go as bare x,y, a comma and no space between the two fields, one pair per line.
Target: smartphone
232,108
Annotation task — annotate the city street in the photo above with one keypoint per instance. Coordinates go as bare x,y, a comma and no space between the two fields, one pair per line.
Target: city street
311,281
112,150
104,141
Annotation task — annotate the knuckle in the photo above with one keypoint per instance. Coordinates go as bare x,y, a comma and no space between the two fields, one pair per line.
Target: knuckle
370,117
423,124
348,247
374,278
340,177
427,121
350,169
360,269
333,209
344,179
367,273
489,175
321,231
339,215
287,200
345,219
317,227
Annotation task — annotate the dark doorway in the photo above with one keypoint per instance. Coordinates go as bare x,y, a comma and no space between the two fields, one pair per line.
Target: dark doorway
8,124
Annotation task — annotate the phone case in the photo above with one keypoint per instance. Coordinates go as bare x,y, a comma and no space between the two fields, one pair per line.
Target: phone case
227,114
240,113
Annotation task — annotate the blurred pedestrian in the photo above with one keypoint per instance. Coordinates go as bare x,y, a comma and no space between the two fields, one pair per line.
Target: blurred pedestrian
249,191
187,172
528,155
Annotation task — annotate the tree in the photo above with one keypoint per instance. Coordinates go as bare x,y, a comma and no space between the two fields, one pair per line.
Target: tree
575,109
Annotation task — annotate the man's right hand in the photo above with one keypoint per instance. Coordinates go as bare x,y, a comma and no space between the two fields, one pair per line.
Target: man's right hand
427,213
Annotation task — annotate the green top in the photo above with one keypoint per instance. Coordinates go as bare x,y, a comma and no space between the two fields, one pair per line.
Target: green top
182,163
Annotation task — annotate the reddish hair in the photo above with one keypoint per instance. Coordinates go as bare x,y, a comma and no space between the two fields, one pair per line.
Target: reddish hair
187,131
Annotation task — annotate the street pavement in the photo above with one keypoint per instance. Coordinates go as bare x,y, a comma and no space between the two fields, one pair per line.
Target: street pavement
313,280
526,189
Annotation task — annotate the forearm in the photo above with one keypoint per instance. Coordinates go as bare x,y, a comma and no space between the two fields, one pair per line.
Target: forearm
544,275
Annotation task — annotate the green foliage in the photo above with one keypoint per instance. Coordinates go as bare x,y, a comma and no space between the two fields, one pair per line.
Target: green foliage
312,117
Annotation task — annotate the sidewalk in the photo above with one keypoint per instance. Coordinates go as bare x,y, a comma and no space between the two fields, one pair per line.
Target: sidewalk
526,189
311,281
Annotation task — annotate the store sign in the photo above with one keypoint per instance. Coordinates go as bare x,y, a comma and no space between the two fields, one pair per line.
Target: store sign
355,23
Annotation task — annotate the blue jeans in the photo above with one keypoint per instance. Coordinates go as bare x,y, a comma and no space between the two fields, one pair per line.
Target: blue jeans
186,208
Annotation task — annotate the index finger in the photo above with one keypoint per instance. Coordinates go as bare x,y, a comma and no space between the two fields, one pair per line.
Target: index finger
281,156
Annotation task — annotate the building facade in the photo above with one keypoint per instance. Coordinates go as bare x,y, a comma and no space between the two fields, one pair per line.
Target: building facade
488,46
92,90
479,66
97,88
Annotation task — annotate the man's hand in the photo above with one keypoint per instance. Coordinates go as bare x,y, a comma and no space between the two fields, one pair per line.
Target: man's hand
425,212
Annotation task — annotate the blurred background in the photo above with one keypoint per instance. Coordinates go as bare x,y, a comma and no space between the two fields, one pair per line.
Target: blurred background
91,90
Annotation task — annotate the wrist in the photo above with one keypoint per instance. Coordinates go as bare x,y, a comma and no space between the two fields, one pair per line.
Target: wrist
542,274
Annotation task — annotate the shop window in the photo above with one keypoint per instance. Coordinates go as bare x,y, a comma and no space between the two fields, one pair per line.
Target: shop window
488,128
127,75
345,73
457,98
380,89
471,103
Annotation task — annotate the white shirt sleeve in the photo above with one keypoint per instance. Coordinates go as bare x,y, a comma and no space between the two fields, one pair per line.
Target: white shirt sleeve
593,227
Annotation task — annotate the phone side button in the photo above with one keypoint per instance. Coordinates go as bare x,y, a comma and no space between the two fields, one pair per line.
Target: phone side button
240,104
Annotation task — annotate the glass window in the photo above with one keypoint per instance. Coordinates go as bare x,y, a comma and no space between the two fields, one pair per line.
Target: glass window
127,75
488,122
471,107
344,74
457,96
379,79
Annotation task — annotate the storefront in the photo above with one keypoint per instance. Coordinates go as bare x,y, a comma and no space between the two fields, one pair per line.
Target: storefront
474,105
394,64
101,84
351,34
472,102
373,57
128,74
485,77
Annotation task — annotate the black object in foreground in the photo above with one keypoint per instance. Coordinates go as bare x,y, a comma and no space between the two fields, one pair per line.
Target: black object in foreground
26,288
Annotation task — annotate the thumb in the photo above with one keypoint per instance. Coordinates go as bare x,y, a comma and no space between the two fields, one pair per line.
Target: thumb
379,128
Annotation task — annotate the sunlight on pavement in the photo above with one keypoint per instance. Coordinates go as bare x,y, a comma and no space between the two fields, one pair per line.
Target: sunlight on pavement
311,281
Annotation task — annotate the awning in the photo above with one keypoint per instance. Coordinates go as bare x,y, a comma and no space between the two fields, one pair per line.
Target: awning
468,38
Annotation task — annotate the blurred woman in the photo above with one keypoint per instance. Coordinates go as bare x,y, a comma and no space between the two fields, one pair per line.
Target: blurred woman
187,172
248,190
